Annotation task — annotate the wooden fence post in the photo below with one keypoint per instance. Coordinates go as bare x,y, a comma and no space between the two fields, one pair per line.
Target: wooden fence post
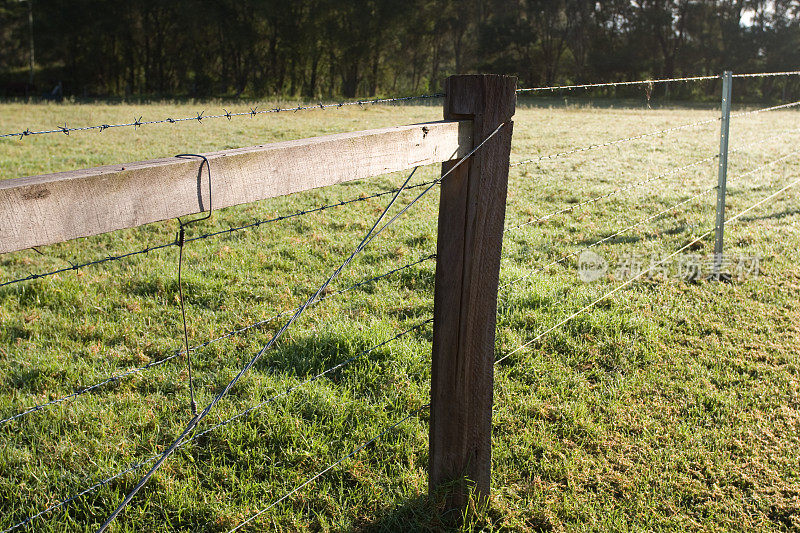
471,220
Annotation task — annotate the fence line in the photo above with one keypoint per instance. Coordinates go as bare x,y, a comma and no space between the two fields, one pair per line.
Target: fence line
469,173
117,377
199,117
653,81
639,275
371,234
768,74
616,84
765,109
649,134
641,222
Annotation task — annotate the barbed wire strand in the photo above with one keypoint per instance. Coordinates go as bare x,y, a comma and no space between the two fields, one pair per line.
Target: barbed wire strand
638,184
645,135
617,83
333,465
609,237
730,221
768,74
765,109
199,117
641,222
231,230
767,165
653,81
764,140
118,377
370,235
225,422
612,193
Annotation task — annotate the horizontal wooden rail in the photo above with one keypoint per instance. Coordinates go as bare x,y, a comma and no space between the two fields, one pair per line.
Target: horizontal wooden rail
52,208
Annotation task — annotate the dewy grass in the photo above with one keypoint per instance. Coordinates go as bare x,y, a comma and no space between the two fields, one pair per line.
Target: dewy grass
672,405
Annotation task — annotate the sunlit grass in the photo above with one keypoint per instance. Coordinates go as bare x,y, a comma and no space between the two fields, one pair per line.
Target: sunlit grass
671,405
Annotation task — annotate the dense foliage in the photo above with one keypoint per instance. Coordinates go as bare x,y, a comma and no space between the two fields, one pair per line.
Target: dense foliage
332,48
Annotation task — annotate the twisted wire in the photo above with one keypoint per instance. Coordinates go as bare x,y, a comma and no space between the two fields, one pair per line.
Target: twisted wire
764,109
199,117
612,193
768,74
617,83
316,476
245,329
730,221
233,229
614,142
225,422
764,140
767,165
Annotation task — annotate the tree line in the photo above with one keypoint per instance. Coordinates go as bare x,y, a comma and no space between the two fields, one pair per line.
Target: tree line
328,49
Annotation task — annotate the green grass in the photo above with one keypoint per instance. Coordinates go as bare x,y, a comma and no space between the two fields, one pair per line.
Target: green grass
671,405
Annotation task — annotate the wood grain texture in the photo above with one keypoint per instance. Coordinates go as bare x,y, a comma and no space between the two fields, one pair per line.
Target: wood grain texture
471,220
53,208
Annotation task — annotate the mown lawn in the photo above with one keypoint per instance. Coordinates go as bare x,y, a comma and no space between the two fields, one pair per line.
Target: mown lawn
671,405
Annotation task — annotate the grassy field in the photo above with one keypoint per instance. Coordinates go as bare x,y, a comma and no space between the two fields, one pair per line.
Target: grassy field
671,405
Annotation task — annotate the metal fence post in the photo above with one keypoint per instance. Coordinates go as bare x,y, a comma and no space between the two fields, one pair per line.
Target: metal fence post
727,79
470,237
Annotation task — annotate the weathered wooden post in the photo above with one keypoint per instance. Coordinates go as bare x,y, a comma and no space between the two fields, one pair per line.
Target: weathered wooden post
471,220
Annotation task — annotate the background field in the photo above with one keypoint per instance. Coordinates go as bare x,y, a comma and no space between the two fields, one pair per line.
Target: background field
672,405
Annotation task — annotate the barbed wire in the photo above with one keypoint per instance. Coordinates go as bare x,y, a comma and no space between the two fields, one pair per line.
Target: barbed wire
768,74
767,165
224,423
649,134
612,193
199,117
655,178
118,377
764,140
643,221
652,81
231,230
618,83
331,466
729,222
609,237
369,237
614,142
764,109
